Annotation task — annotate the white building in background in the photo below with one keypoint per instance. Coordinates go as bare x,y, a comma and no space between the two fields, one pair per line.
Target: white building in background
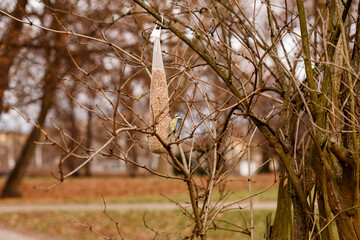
237,154
256,159
10,147
38,156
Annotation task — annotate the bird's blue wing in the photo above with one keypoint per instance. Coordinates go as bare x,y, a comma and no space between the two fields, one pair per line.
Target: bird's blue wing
178,125
171,133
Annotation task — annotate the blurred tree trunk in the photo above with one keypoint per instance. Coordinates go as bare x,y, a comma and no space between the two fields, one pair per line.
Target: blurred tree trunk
9,49
73,162
55,54
131,168
13,183
89,137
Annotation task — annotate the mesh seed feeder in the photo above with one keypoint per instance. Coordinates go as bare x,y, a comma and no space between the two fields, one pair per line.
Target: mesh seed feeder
159,97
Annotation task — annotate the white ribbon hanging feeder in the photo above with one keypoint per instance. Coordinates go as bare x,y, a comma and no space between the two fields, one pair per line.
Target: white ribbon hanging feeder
156,32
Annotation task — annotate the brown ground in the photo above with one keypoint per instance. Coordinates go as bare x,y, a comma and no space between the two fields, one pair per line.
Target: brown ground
93,188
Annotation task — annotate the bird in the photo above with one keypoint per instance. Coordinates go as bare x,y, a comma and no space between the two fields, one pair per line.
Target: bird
175,124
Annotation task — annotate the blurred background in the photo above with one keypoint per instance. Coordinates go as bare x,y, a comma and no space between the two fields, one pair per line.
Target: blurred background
43,79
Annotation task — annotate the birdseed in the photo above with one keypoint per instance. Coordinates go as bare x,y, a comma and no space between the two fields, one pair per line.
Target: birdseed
159,109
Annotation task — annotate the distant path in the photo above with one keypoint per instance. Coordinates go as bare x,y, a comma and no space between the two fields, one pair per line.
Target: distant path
114,207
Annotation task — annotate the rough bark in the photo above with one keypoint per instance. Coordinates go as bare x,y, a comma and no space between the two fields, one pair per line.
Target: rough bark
344,199
341,202
281,229
300,220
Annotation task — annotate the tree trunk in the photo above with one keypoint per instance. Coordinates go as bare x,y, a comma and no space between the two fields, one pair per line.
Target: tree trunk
131,168
345,192
88,143
281,229
73,162
50,81
13,183
323,221
348,226
300,230
341,202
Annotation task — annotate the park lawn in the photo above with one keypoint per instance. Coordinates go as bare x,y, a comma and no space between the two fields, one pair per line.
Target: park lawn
162,224
132,225
130,190
269,195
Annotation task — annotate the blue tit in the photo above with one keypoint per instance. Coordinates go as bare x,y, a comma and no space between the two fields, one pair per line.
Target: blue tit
175,124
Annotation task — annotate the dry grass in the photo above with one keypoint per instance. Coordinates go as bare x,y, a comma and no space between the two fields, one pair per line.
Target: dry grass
91,189
133,225
73,225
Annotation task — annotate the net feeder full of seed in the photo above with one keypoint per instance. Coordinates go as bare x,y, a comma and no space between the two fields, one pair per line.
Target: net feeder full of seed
159,97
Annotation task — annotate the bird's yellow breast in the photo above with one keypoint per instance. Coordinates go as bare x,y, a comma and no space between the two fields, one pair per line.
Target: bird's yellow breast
173,124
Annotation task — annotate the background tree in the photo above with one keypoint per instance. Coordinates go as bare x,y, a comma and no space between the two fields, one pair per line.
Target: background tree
10,47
